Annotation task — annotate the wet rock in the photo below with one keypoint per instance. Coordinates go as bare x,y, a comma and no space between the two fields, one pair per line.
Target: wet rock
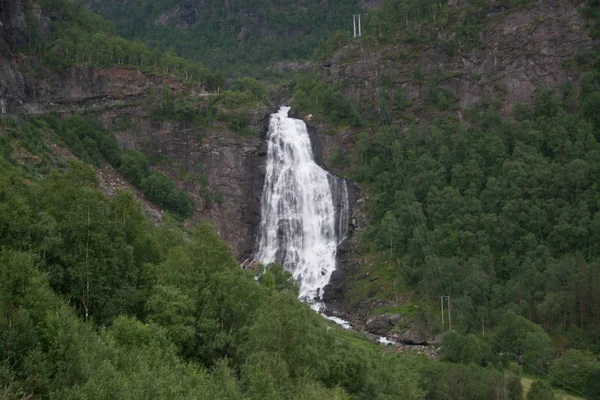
412,337
382,324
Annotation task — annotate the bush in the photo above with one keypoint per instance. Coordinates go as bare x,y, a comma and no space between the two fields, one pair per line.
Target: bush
570,372
252,87
162,191
134,166
316,97
592,386
468,349
537,352
540,390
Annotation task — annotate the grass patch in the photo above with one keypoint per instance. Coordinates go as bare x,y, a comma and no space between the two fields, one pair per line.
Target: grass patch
376,278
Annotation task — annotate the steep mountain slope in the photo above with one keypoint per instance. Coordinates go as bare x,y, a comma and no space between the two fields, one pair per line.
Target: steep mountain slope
98,302
477,151
512,51
239,36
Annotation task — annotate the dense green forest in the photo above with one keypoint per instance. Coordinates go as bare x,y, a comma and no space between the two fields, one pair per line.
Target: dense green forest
78,36
503,214
280,31
98,303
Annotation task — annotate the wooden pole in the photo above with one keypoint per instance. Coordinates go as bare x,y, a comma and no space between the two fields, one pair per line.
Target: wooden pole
450,312
359,27
442,302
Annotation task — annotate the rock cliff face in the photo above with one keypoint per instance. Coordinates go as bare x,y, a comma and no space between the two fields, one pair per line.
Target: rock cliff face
231,166
200,160
520,50
13,25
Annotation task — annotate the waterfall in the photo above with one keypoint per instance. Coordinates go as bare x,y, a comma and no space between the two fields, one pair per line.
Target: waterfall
304,209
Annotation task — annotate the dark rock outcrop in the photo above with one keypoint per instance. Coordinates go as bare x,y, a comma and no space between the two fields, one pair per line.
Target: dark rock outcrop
520,50
399,329
382,324
13,25
229,165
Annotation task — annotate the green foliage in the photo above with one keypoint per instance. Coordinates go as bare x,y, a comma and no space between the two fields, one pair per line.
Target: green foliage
253,88
96,145
339,158
540,390
85,139
243,38
515,388
80,36
570,372
525,340
502,214
330,46
592,386
275,277
175,107
134,166
537,352
441,98
96,302
313,96
162,190
237,123
468,349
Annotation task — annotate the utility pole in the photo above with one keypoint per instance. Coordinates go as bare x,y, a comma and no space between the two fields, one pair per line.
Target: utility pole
442,302
449,312
359,27
356,20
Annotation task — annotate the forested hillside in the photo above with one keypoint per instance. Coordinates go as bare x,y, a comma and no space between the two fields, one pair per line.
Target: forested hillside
465,192
241,37
473,194
99,303
68,33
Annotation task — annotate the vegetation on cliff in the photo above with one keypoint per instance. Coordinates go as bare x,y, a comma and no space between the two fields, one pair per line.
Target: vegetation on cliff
500,212
79,36
503,214
96,302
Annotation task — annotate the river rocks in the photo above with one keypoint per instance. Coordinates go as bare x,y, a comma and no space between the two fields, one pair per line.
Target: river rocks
382,324
411,336
399,329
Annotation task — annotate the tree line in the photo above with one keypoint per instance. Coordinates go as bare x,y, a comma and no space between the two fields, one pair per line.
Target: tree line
98,303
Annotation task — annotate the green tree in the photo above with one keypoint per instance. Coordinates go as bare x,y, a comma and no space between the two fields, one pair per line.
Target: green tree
571,370
537,352
592,386
134,165
540,390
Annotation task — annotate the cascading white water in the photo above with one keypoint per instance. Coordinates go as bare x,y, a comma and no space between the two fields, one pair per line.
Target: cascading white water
304,209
